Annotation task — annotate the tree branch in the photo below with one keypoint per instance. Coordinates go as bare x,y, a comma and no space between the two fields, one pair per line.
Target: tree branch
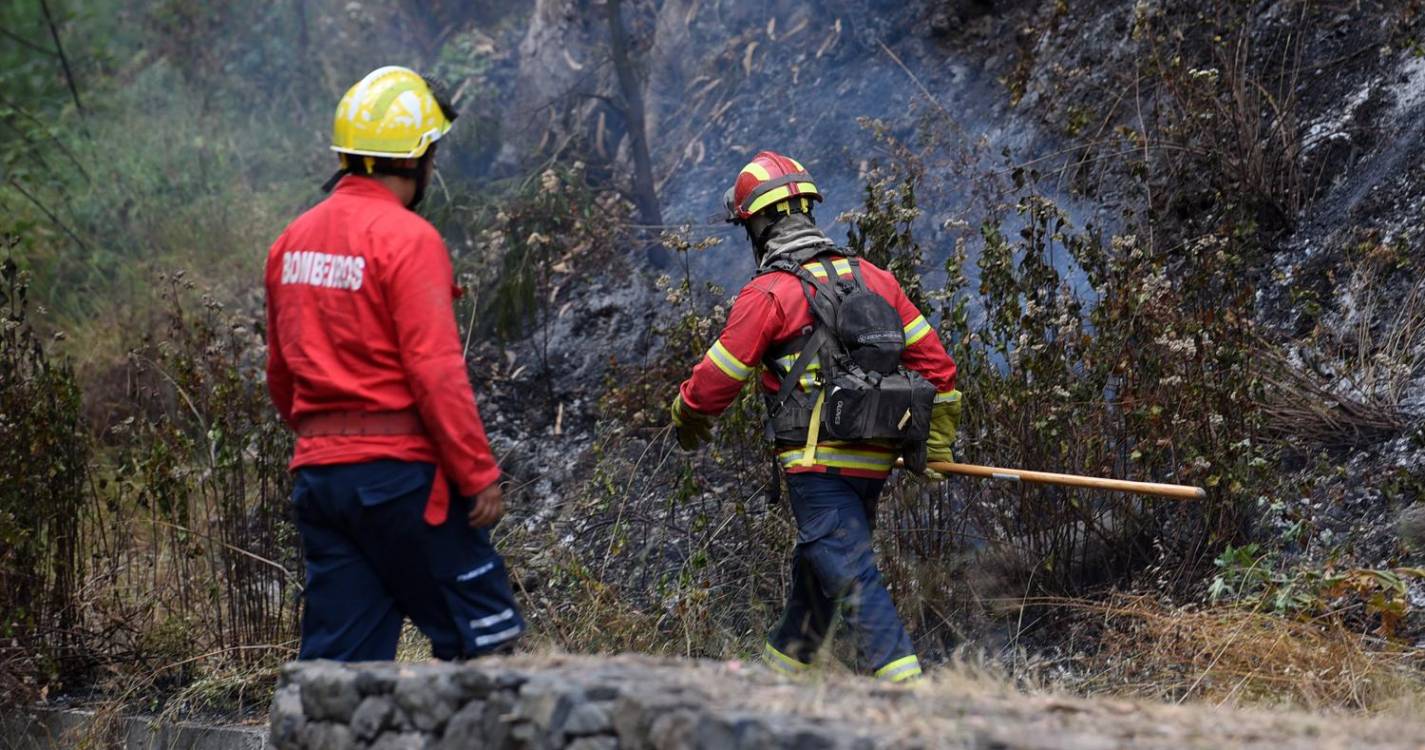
64,60
649,211
57,222
25,42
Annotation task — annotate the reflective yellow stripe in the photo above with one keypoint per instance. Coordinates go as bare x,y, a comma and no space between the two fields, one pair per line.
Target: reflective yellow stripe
830,447
784,364
852,461
900,670
916,330
781,662
758,171
948,397
840,458
776,195
842,266
730,365
809,377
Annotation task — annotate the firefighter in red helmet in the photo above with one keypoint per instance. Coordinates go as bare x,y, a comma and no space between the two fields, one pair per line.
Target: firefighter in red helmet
840,344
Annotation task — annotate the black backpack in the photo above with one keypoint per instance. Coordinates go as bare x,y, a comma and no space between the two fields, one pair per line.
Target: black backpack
865,393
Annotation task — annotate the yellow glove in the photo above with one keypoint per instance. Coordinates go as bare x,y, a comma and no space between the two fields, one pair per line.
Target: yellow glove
944,424
693,429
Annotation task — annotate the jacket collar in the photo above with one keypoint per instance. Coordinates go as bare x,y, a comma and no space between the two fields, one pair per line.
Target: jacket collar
792,237
360,186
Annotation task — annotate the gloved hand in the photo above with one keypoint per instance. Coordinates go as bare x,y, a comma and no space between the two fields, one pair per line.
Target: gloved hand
944,424
693,429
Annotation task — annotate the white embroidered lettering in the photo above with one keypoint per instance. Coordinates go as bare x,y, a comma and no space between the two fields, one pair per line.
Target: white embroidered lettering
323,269
304,267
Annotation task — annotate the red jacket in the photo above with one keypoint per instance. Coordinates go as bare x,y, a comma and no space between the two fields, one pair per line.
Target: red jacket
771,310
359,319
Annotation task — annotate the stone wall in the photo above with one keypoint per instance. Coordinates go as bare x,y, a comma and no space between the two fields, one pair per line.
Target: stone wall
592,703
579,704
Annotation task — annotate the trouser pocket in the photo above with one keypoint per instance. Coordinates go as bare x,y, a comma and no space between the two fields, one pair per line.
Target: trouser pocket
475,586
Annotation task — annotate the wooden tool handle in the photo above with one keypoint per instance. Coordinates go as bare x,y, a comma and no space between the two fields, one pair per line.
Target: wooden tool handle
1179,491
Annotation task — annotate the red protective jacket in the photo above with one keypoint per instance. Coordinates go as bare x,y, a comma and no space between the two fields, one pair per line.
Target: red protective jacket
359,319
772,310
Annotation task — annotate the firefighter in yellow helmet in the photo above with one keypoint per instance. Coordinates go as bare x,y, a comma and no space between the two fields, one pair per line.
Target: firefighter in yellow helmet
395,482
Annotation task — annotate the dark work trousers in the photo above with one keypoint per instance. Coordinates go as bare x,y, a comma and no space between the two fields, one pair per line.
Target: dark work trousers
834,567
372,561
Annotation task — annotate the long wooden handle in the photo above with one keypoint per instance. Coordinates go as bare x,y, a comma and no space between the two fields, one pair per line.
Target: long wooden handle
1179,491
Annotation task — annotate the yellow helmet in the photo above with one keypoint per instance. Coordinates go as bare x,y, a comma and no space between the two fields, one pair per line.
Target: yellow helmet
393,112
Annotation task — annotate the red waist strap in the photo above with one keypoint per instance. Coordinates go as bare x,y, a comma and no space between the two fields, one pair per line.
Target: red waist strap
363,423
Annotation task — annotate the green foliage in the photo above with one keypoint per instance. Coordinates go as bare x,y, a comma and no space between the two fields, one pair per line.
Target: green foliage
881,231
1360,598
533,239
44,455
1140,377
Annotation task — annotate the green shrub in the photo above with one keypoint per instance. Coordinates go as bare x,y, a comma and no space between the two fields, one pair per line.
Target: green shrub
44,456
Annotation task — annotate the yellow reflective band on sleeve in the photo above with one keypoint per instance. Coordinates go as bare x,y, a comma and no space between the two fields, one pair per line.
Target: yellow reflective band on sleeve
730,365
781,662
948,397
900,670
916,330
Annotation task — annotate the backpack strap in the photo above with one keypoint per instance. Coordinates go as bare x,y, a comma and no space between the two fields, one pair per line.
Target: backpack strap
855,264
823,308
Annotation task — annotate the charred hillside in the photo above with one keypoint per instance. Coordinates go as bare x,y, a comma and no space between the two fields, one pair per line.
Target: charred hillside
1247,167
1169,241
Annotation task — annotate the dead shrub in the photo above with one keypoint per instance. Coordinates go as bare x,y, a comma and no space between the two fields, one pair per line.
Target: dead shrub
1350,389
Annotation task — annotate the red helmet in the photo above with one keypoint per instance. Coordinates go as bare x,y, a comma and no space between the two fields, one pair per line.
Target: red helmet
767,180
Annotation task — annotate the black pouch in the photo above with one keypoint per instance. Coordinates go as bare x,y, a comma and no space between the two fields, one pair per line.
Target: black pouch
788,422
878,407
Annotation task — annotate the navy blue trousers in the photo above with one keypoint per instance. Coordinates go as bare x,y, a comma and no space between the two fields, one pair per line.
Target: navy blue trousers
833,567
373,561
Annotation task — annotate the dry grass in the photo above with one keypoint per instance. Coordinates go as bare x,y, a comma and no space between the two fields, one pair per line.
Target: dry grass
1236,656
1349,389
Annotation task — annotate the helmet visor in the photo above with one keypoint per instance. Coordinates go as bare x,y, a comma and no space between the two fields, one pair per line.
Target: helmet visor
729,203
